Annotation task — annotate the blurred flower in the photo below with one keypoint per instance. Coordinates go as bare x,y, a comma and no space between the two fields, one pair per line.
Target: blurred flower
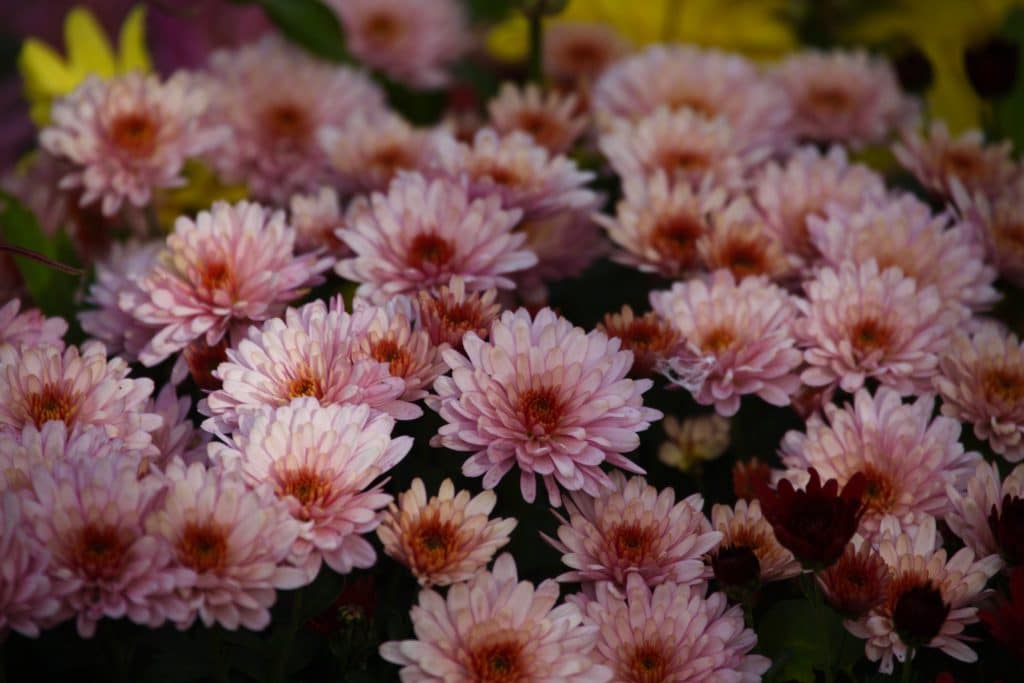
46,447
566,244
858,581
741,241
746,536
651,340
747,478
445,539
317,218
975,506
1006,621
693,440
30,327
450,312
576,53
554,121
999,222
178,437
201,188
27,598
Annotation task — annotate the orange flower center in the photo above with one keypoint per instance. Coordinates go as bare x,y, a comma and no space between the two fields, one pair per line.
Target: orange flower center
306,484
963,163
633,543
501,175
879,492
675,237
499,662
387,350
870,335
391,158
305,385
1008,236
718,340
544,128
99,551
382,28
52,402
648,663
689,100
134,133
1004,385
683,160
217,275
743,258
428,248
288,121
541,410
830,98
203,547
433,543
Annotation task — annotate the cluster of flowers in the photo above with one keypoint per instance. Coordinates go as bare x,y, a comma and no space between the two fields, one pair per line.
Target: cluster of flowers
799,273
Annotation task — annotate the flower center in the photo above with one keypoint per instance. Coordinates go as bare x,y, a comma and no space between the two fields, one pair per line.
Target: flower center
305,385
387,350
217,276
963,163
743,258
584,55
692,101
648,663
203,547
830,98
382,28
288,121
870,335
879,492
919,614
540,125
501,175
433,543
683,160
718,340
305,484
391,158
428,249
99,551
134,133
1004,386
497,662
676,238
633,542
52,402
1009,236
541,411
736,565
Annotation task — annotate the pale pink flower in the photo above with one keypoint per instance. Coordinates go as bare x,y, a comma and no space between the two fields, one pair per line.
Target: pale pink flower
576,53
634,529
178,437
658,223
650,338
445,539
495,627
981,381
845,97
129,136
233,544
450,312
860,321
930,599
694,440
31,447
936,159
673,633
907,458
27,598
566,244
546,396
741,241
230,267
553,120
999,221
308,353
903,232
744,526
276,98
30,327
807,183
742,332
423,233
970,508
78,388
317,218
410,40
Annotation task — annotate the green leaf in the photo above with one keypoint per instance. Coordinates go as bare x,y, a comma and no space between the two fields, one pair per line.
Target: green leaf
309,23
791,635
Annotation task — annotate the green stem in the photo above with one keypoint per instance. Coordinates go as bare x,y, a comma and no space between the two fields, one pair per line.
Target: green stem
905,674
279,673
536,64
813,593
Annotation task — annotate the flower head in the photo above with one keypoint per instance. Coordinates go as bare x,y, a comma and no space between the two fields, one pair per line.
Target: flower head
694,440
748,476
976,512
30,327
27,598
1006,621
178,437
566,244
858,582
450,312
745,533
552,120
999,221
576,53
317,218
741,241
651,339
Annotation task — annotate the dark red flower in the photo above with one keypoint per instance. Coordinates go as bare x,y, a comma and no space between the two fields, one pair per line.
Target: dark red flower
857,582
1008,529
1006,621
814,524
748,476
736,567
202,360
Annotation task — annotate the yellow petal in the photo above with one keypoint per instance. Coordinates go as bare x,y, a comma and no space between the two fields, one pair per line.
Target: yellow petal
508,40
89,51
133,55
45,74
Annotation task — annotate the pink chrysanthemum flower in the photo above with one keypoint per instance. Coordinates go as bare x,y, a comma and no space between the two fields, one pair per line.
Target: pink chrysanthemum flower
745,530
742,332
450,312
88,513
552,120
30,328
232,542
308,353
230,267
546,396
53,443
672,633
276,98
659,222
634,529
846,97
566,244
445,539
78,388
903,232
929,599
806,184
907,458
128,136
520,171
981,381
497,628
178,437
686,146
970,509
709,83
577,53
422,233
317,218
27,598
368,152
860,321
126,264
741,241
651,339
1000,223
322,461
936,159
409,40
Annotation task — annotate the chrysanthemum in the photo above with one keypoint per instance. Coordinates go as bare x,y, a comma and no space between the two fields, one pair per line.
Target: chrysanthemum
999,222
552,120
129,136
903,232
745,530
651,338
907,458
858,582
230,267
929,600
807,183
30,327
745,329
846,97
748,477
322,461
936,159
1005,621
520,171
316,219
741,241
444,539
709,83
658,223
88,513
566,244
672,633
497,628
307,353
78,388
693,440
450,312
974,508
178,437
21,451
409,40
275,98
860,321
546,396
231,541
686,146
576,53
634,529
423,233
27,598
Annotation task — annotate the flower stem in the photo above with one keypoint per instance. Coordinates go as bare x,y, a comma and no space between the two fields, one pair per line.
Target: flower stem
536,63
813,592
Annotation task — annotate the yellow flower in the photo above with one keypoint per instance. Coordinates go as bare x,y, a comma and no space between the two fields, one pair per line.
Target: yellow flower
755,27
49,76
693,440
201,189
942,30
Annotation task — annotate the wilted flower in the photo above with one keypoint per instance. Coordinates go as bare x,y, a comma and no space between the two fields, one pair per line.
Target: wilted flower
450,312
30,327
552,120
651,339
693,440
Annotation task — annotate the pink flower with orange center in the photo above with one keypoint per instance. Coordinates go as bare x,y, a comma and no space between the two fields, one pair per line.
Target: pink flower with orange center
999,222
577,53
741,241
651,338
450,312
30,327
317,218
27,598
178,437
553,120
745,532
